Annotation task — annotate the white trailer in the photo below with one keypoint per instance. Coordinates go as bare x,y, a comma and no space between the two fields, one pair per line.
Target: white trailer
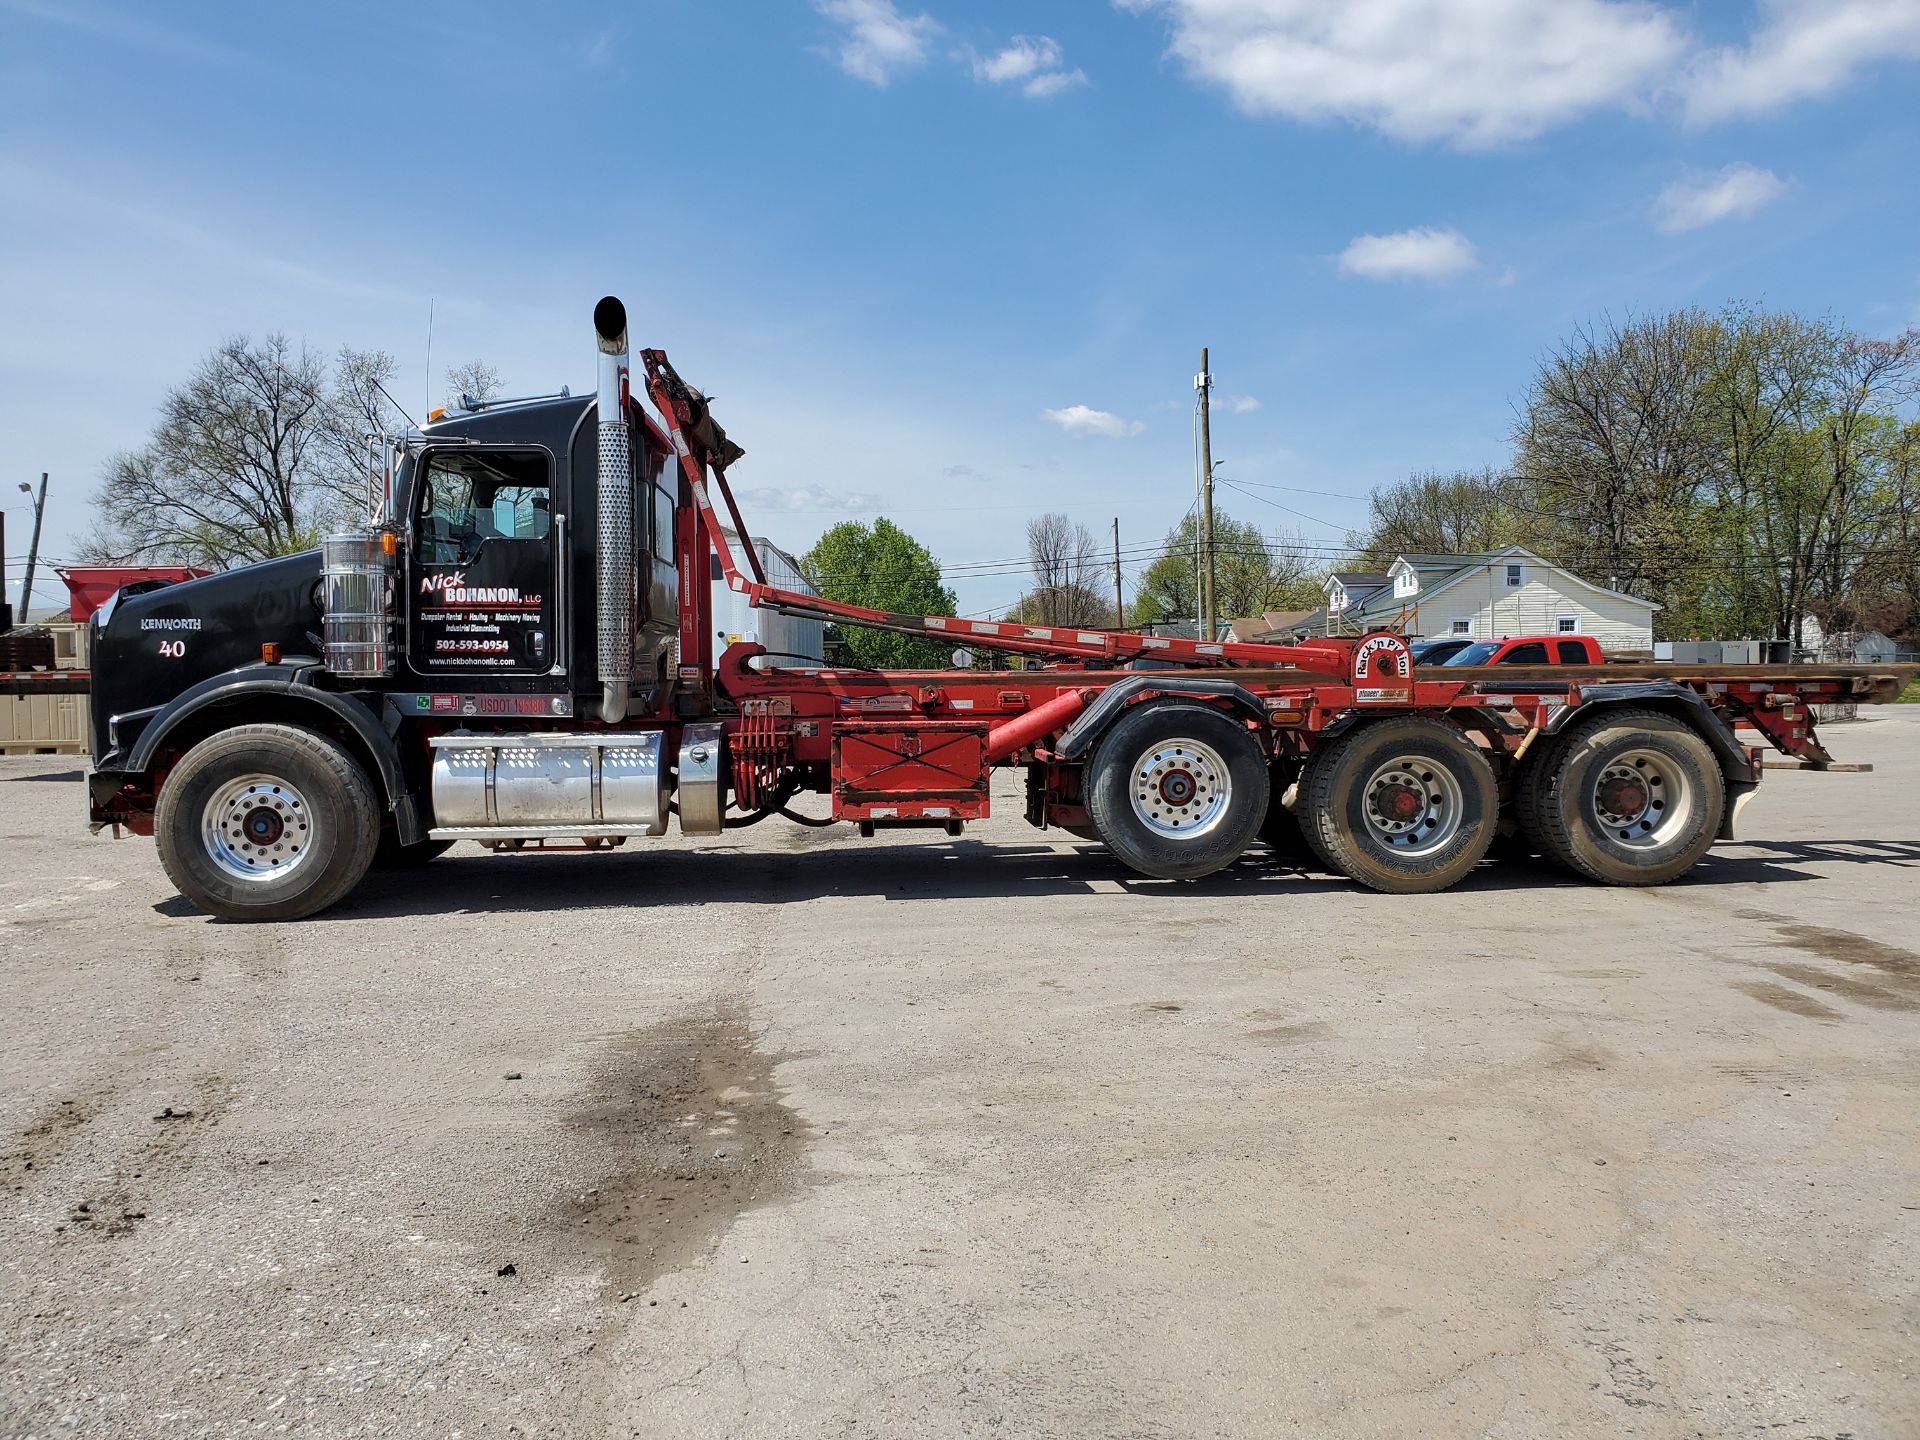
790,640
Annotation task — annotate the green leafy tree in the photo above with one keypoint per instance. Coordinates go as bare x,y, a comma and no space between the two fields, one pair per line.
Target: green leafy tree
881,567
1252,574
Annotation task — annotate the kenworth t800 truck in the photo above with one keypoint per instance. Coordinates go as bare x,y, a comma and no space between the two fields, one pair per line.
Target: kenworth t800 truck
519,650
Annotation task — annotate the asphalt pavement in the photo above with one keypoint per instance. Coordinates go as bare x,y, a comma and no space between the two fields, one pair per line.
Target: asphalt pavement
790,1134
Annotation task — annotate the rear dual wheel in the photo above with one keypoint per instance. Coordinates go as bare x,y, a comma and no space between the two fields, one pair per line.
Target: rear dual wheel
1633,797
1404,805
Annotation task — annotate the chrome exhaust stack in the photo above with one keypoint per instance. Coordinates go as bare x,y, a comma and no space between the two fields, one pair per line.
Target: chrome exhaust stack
615,539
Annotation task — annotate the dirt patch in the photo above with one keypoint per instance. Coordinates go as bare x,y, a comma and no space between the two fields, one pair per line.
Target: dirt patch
696,1133
1792,1001
1578,1055
174,1130
43,1138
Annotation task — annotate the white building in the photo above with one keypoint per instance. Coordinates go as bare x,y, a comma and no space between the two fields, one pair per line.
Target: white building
1494,596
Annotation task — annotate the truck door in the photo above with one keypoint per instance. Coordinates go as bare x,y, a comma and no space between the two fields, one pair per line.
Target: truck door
482,577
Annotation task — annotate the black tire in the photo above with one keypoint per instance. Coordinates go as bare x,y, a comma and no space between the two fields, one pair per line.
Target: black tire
1453,805
1658,842
1529,782
324,824
1225,817
1281,829
390,854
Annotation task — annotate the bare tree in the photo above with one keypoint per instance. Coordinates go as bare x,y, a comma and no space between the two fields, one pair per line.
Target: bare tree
476,380
1616,440
1428,513
360,422
1254,572
258,453
1065,564
235,471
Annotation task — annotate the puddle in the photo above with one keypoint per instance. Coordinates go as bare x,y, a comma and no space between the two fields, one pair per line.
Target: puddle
695,1132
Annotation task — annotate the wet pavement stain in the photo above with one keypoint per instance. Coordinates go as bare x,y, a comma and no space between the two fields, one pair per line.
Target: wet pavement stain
1850,949
1295,1034
1864,992
1898,987
695,1132
1792,1001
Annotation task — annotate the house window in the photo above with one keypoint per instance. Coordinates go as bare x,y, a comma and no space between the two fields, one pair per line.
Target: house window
1462,627
1514,576
1568,625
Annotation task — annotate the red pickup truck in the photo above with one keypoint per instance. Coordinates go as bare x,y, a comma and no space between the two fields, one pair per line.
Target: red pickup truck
1531,650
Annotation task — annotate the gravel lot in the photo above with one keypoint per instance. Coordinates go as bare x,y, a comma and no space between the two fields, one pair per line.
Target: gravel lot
801,1135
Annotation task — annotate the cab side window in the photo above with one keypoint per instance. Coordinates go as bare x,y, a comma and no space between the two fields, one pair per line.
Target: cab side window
468,498
662,524
1532,653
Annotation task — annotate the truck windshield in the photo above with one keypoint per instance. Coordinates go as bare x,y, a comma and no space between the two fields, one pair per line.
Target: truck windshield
1474,654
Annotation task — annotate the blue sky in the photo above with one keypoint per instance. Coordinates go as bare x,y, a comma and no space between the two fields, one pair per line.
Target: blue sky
951,262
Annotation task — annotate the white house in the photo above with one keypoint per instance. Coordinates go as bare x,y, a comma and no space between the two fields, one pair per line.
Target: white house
1483,597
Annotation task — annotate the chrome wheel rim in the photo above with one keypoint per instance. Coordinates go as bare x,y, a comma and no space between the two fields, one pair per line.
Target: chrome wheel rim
1641,799
1412,805
256,828
1180,789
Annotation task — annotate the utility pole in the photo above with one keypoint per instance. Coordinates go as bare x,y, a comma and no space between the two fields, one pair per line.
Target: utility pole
33,549
6,610
1119,595
1203,382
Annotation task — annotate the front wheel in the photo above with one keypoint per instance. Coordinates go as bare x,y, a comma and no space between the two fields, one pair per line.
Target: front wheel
266,822
1177,789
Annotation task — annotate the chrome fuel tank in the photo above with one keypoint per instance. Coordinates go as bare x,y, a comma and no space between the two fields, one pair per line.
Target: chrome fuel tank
543,786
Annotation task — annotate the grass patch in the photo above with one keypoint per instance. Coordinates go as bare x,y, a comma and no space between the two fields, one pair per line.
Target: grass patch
1911,696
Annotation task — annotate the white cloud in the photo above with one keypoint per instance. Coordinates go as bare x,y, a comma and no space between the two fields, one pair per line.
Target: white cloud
1419,254
1472,73
1733,193
878,41
1241,404
1083,420
799,498
1034,63
1803,48
1040,87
